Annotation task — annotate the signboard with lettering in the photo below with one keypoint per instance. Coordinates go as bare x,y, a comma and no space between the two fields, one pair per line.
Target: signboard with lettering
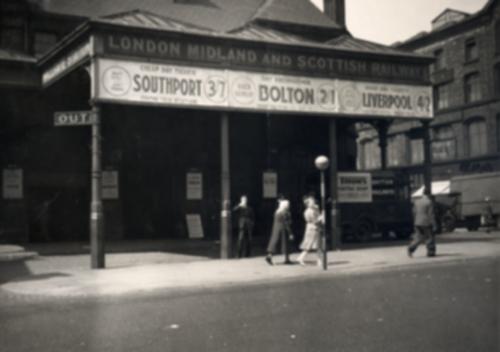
66,64
12,184
270,185
194,186
354,187
318,61
148,83
444,149
110,185
75,118
194,225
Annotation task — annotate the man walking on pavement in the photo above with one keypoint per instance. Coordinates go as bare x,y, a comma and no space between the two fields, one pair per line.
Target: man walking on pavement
281,230
425,225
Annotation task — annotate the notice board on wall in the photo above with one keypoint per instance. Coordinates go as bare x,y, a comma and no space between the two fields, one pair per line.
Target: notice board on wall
194,226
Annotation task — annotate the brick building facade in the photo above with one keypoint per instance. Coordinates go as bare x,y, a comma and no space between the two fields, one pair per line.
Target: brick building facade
465,133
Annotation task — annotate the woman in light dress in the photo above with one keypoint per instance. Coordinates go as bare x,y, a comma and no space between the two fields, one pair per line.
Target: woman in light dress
314,221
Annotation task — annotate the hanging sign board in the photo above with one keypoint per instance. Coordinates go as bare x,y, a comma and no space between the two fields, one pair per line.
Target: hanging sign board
194,186
270,185
354,187
75,118
109,185
12,184
66,64
158,84
194,225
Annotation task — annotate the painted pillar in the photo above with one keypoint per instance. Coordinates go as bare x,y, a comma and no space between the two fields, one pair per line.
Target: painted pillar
427,157
96,212
335,223
225,223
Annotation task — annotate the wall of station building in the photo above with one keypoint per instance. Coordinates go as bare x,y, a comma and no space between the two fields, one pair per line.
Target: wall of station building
152,149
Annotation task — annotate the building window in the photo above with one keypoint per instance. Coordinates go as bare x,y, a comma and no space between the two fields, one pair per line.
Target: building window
472,88
471,50
443,143
477,137
370,154
442,96
417,151
396,150
43,42
496,78
439,63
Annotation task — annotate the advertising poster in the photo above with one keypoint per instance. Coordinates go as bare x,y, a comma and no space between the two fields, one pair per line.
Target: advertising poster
270,185
194,225
168,85
354,187
194,186
110,185
12,184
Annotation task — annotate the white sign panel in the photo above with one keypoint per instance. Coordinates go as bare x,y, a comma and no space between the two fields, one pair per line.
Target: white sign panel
354,187
110,185
12,184
194,186
270,185
66,64
194,225
75,118
150,83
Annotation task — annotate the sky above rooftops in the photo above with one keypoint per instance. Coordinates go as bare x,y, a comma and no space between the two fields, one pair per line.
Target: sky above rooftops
389,21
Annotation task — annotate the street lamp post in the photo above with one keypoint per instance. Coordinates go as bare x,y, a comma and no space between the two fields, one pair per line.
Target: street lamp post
322,163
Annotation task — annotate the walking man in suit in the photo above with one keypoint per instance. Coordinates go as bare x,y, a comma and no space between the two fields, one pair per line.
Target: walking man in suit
425,225
246,220
281,230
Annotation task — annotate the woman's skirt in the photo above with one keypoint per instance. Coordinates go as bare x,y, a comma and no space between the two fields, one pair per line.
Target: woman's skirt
311,238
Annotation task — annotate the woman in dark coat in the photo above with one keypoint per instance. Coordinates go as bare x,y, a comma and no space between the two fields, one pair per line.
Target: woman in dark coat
281,228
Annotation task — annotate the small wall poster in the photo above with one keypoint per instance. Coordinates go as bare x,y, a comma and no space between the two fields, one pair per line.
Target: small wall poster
12,184
270,184
354,187
194,186
194,225
109,185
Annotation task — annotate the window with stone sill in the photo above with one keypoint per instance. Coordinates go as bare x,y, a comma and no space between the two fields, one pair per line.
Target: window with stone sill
439,64
472,88
471,51
476,137
442,96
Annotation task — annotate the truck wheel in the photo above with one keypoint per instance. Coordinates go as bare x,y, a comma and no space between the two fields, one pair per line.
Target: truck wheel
364,230
448,223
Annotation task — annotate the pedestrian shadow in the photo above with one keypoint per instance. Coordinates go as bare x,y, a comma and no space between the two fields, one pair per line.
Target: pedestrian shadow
339,262
448,255
44,276
17,270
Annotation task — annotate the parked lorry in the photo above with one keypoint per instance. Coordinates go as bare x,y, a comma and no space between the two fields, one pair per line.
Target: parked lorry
388,211
470,199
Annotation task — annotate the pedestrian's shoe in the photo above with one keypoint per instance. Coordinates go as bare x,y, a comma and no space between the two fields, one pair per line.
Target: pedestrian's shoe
287,262
269,260
301,262
430,255
410,253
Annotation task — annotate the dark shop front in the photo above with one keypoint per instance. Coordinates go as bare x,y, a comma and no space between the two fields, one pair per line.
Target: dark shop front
186,121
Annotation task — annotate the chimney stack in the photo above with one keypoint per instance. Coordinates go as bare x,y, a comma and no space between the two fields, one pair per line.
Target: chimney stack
335,9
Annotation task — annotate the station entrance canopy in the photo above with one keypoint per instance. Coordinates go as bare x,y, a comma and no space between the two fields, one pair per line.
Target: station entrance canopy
232,72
